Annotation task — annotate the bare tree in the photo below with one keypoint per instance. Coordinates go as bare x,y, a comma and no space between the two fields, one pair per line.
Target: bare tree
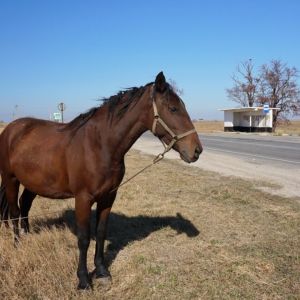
279,89
245,86
175,87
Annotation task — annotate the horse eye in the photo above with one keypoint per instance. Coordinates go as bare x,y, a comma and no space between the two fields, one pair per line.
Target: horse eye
173,109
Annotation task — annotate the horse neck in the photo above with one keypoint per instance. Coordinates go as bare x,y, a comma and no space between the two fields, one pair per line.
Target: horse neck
121,134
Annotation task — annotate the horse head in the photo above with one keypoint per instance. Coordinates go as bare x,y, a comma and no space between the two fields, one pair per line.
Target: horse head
171,121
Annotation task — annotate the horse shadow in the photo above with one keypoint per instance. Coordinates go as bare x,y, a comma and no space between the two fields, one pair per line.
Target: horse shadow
122,229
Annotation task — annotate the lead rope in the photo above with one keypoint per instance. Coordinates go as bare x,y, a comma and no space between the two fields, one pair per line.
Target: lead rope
32,217
157,158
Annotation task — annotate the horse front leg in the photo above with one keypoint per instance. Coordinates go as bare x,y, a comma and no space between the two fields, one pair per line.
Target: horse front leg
83,213
103,211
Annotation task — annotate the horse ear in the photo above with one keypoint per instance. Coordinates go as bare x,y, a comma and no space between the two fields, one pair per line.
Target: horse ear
160,82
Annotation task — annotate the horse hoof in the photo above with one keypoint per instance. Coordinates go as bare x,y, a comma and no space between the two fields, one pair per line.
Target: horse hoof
83,286
104,279
103,282
101,279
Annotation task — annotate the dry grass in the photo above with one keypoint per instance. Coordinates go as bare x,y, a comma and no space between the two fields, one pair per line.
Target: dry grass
175,233
291,128
209,126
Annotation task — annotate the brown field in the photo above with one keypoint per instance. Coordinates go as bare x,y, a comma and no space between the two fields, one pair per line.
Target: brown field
176,232
209,126
291,128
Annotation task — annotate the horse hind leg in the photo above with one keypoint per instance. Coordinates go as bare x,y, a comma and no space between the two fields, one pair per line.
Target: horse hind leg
25,203
12,191
3,207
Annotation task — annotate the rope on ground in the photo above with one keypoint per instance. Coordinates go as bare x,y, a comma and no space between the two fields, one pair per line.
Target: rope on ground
32,217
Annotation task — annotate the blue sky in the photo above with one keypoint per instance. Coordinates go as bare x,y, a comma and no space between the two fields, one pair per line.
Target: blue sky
79,51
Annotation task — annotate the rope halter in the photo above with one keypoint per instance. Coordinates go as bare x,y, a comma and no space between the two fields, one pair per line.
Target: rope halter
175,137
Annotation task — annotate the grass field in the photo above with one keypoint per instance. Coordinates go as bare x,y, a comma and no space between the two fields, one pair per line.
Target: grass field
209,126
291,128
176,232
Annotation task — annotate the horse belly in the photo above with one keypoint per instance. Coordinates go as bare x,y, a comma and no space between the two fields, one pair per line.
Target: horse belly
41,173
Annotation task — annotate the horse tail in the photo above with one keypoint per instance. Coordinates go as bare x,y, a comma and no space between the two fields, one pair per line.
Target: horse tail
3,205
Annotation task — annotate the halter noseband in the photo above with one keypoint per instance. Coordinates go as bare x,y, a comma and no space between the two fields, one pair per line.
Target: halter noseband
158,119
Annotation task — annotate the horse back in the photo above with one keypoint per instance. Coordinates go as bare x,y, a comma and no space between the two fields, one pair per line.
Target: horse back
27,132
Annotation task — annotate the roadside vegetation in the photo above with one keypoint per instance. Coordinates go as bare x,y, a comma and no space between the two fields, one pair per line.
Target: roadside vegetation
290,128
209,126
176,232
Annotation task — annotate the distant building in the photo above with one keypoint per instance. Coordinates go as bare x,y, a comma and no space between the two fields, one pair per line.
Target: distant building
249,119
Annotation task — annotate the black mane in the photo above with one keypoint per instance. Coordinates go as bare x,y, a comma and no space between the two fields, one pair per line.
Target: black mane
80,120
118,105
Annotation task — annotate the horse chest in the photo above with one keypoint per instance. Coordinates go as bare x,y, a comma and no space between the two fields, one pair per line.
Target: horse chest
113,178
105,182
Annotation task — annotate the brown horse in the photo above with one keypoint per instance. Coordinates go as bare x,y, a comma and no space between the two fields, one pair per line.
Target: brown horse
85,159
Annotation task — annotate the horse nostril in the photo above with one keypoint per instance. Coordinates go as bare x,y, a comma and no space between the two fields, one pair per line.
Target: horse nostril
198,151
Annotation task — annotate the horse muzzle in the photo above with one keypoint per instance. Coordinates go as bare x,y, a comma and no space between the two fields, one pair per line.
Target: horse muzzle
191,158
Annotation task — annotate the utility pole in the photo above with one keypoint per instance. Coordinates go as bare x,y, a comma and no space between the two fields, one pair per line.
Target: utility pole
62,107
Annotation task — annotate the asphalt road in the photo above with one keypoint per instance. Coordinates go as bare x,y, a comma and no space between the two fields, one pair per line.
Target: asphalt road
283,150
